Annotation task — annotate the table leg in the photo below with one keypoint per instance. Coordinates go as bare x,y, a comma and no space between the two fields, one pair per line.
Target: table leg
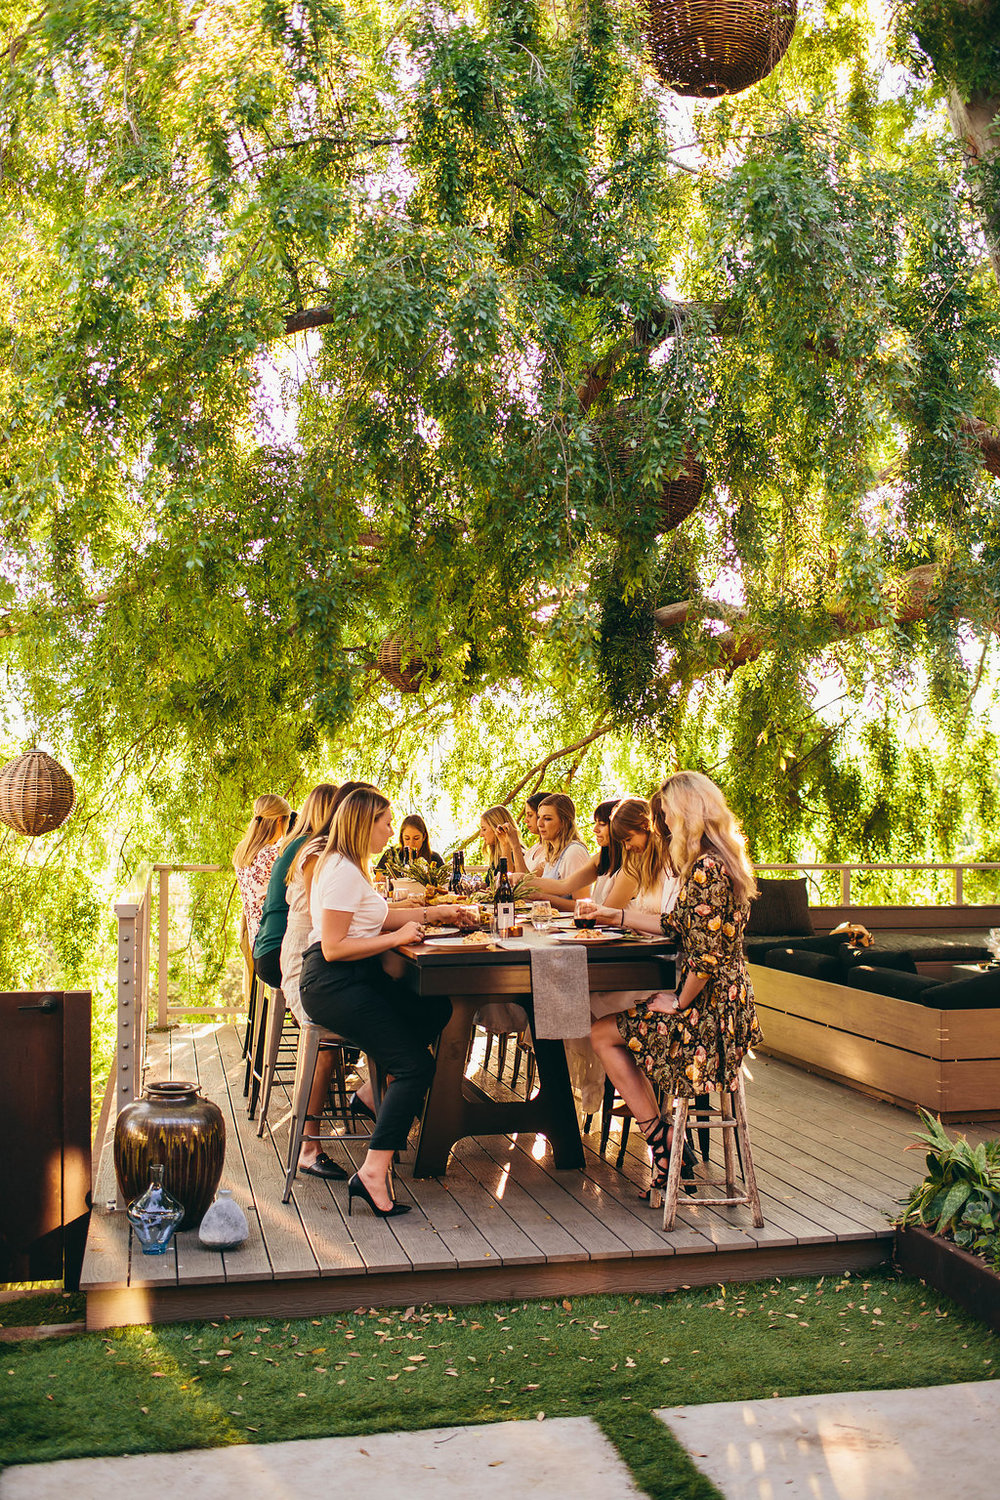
450,1113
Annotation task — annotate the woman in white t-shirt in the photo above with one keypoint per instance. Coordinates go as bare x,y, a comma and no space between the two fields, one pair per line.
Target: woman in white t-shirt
342,985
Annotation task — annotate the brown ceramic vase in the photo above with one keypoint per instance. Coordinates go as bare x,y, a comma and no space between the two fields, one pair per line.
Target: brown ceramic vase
172,1124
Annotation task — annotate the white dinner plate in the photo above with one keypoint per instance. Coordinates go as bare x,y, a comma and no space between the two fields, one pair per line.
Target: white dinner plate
458,942
587,935
440,930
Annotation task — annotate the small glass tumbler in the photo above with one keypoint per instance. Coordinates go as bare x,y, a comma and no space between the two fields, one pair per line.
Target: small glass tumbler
541,916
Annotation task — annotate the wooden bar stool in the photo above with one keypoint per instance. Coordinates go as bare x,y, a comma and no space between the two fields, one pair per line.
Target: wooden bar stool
729,1116
311,1038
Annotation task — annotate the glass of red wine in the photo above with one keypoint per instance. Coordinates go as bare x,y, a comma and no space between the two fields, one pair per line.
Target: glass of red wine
585,914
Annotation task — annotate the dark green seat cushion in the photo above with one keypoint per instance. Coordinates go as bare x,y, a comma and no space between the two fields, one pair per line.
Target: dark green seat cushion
895,982
878,957
801,961
757,948
978,992
781,908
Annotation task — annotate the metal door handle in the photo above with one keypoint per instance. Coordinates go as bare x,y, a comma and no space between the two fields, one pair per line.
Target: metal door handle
48,1005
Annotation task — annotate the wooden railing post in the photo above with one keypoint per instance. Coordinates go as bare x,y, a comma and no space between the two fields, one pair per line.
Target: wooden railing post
845,885
163,929
959,886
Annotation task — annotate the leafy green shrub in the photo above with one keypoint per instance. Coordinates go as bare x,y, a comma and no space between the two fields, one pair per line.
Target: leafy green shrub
960,1196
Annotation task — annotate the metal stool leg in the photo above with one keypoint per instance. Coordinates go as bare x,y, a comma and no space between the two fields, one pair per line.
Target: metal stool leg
275,1025
305,1067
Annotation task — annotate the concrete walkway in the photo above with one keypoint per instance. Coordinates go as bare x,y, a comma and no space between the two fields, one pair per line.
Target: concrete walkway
546,1460
869,1445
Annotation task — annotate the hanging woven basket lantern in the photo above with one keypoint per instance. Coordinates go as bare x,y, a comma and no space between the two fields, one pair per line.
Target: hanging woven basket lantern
677,497
36,794
401,665
705,48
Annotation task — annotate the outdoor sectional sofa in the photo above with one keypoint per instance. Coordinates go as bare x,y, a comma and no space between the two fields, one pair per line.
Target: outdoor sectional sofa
868,1018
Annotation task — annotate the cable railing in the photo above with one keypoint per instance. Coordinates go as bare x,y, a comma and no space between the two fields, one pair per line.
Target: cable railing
956,870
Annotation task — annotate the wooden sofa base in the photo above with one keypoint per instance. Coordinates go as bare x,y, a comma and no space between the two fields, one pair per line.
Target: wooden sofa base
948,1061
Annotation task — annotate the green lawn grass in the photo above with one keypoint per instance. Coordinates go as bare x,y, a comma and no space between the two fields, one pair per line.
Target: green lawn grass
141,1390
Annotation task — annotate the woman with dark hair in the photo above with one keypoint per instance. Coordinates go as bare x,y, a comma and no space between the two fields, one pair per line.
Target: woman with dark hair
414,843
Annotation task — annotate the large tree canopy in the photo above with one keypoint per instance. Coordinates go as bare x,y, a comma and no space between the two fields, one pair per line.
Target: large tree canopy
330,322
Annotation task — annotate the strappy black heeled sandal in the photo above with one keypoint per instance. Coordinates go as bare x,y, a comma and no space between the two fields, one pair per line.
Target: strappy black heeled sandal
658,1142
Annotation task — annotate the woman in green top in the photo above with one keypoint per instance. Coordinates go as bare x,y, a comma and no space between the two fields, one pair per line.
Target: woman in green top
274,916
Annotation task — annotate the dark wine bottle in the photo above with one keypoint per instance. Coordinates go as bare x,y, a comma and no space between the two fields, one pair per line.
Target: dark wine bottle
455,879
503,900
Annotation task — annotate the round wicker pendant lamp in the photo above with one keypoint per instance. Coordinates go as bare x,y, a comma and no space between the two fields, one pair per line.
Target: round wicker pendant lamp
705,48
677,497
36,794
401,665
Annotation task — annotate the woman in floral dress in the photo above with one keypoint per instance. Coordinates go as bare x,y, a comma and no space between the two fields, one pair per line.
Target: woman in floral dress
685,1040
254,856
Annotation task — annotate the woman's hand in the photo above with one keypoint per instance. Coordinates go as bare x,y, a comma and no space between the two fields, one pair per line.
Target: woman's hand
664,1003
410,932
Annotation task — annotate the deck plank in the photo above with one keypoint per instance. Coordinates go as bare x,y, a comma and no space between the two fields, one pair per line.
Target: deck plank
552,1238
249,1261
555,1199
286,1243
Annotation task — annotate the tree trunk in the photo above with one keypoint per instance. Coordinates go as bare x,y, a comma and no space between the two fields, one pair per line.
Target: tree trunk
977,126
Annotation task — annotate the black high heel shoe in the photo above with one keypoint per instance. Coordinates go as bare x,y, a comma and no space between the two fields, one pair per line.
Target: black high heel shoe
357,1189
659,1149
359,1107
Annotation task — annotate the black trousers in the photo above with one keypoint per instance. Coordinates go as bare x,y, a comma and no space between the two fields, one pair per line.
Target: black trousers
268,967
394,1028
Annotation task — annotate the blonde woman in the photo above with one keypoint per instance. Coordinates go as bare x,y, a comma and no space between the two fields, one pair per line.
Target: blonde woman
645,883
254,856
601,870
686,1039
564,852
342,985
491,822
318,813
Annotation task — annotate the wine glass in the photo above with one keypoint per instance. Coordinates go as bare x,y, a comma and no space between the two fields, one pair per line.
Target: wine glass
585,913
541,915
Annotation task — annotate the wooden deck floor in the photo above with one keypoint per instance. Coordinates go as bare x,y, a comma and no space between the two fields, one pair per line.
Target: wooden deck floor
503,1223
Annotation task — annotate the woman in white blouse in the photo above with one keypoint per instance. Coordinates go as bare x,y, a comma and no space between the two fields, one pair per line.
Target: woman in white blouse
646,886
564,852
342,985
600,871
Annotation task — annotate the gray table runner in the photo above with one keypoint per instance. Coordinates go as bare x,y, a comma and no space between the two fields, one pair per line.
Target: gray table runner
560,987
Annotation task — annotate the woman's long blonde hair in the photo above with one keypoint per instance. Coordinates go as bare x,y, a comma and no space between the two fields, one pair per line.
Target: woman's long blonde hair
701,821
315,818
351,830
568,832
633,815
270,818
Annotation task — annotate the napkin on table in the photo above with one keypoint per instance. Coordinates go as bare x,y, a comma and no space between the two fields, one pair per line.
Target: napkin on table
561,989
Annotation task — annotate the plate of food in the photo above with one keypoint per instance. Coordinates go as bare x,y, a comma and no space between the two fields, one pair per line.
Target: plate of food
467,940
440,930
587,935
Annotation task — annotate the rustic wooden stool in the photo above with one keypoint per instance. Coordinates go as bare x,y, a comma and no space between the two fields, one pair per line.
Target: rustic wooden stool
729,1116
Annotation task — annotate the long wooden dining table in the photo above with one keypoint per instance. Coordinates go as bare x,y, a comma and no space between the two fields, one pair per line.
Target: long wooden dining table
455,1106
